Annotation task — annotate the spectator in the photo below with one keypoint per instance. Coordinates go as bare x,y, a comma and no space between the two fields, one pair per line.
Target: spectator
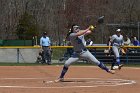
45,44
127,41
135,41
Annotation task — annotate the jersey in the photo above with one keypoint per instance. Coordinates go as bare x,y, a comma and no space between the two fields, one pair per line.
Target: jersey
77,42
117,40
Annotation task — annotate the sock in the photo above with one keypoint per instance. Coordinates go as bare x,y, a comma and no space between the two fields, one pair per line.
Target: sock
118,61
102,66
63,72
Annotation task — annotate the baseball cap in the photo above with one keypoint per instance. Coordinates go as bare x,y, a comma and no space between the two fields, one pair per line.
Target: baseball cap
118,30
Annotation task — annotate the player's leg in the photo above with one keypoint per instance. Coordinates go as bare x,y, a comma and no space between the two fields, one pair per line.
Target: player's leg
65,67
88,55
113,63
117,57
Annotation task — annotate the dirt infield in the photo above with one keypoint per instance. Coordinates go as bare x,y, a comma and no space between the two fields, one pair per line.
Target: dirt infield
79,79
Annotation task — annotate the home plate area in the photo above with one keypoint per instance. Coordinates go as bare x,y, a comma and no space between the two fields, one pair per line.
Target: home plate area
67,83
87,82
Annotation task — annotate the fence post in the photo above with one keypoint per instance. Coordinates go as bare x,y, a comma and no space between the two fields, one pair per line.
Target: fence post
17,55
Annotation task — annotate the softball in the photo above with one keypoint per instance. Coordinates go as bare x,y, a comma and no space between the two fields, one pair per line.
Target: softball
91,27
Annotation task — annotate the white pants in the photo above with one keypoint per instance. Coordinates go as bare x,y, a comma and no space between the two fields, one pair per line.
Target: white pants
116,51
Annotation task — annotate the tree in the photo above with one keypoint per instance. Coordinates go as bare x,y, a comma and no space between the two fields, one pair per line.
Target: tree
26,28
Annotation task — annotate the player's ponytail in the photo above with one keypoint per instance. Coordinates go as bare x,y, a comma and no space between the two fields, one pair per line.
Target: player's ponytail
70,31
67,37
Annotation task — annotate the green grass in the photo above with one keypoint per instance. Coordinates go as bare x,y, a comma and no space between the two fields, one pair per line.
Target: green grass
58,53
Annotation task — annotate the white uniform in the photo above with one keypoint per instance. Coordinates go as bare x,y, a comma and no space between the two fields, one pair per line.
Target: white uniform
117,42
80,50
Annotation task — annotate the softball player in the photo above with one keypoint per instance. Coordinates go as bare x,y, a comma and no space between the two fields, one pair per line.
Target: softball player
117,43
76,37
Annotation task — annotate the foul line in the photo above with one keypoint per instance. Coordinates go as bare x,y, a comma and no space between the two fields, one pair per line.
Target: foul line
98,67
124,82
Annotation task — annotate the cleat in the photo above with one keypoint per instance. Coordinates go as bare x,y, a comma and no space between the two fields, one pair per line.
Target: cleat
115,68
120,66
111,71
59,80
